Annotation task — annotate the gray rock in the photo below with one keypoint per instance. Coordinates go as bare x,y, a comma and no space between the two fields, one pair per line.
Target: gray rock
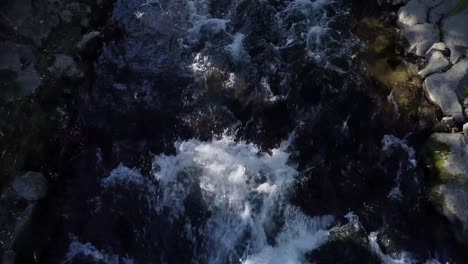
444,88
436,63
420,38
87,38
18,75
31,186
439,46
393,2
65,67
411,14
454,160
455,34
431,3
465,129
441,10
453,204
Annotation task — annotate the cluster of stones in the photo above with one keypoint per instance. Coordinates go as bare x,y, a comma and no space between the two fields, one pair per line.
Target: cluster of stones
437,31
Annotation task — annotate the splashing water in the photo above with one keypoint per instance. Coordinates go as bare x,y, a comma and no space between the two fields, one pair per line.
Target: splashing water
245,192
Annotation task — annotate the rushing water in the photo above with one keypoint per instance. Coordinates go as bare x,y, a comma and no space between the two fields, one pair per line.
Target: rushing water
222,131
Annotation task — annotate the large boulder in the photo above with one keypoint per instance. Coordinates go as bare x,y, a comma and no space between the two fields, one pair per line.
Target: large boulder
441,10
449,153
18,75
411,14
452,202
437,62
455,34
444,89
420,37
31,186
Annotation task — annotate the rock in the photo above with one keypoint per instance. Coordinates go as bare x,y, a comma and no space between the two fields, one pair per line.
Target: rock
455,34
431,3
86,39
66,16
449,152
439,46
420,38
449,121
31,19
393,2
465,130
452,201
439,11
436,63
18,75
65,67
411,14
31,186
444,88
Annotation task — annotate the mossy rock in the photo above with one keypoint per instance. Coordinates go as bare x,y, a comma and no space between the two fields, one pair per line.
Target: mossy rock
446,153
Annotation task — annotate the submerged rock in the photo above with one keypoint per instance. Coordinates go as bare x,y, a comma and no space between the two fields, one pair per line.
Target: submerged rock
31,186
18,75
65,67
444,88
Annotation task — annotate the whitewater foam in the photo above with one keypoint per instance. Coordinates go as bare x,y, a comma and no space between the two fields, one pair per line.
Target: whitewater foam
245,192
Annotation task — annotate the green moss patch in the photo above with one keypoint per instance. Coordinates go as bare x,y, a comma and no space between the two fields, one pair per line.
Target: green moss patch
438,153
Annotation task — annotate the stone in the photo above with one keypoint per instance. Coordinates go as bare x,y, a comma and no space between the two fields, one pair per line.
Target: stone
87,38
436,63
465,129
30,19
431,3
411,14
441,10
439,46
444,88
451,158
419,38
449,121
452,202
31,186
18,74
65,67
455,34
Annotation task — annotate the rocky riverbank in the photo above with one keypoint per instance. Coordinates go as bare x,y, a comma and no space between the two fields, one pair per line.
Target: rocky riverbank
435,34
46,50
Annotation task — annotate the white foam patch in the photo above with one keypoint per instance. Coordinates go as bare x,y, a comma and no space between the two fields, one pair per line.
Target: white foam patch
123,175
245,191
89,251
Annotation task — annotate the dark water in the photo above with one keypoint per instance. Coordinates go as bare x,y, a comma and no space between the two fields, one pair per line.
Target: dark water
241,132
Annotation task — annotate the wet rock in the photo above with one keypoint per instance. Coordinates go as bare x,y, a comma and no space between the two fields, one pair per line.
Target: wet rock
465,130
33,20
18,75
455,34
87,39
436,63
437,47
452,201
31,186
449,152
411,14
448,121
441,10
444,88
65,67
419,38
